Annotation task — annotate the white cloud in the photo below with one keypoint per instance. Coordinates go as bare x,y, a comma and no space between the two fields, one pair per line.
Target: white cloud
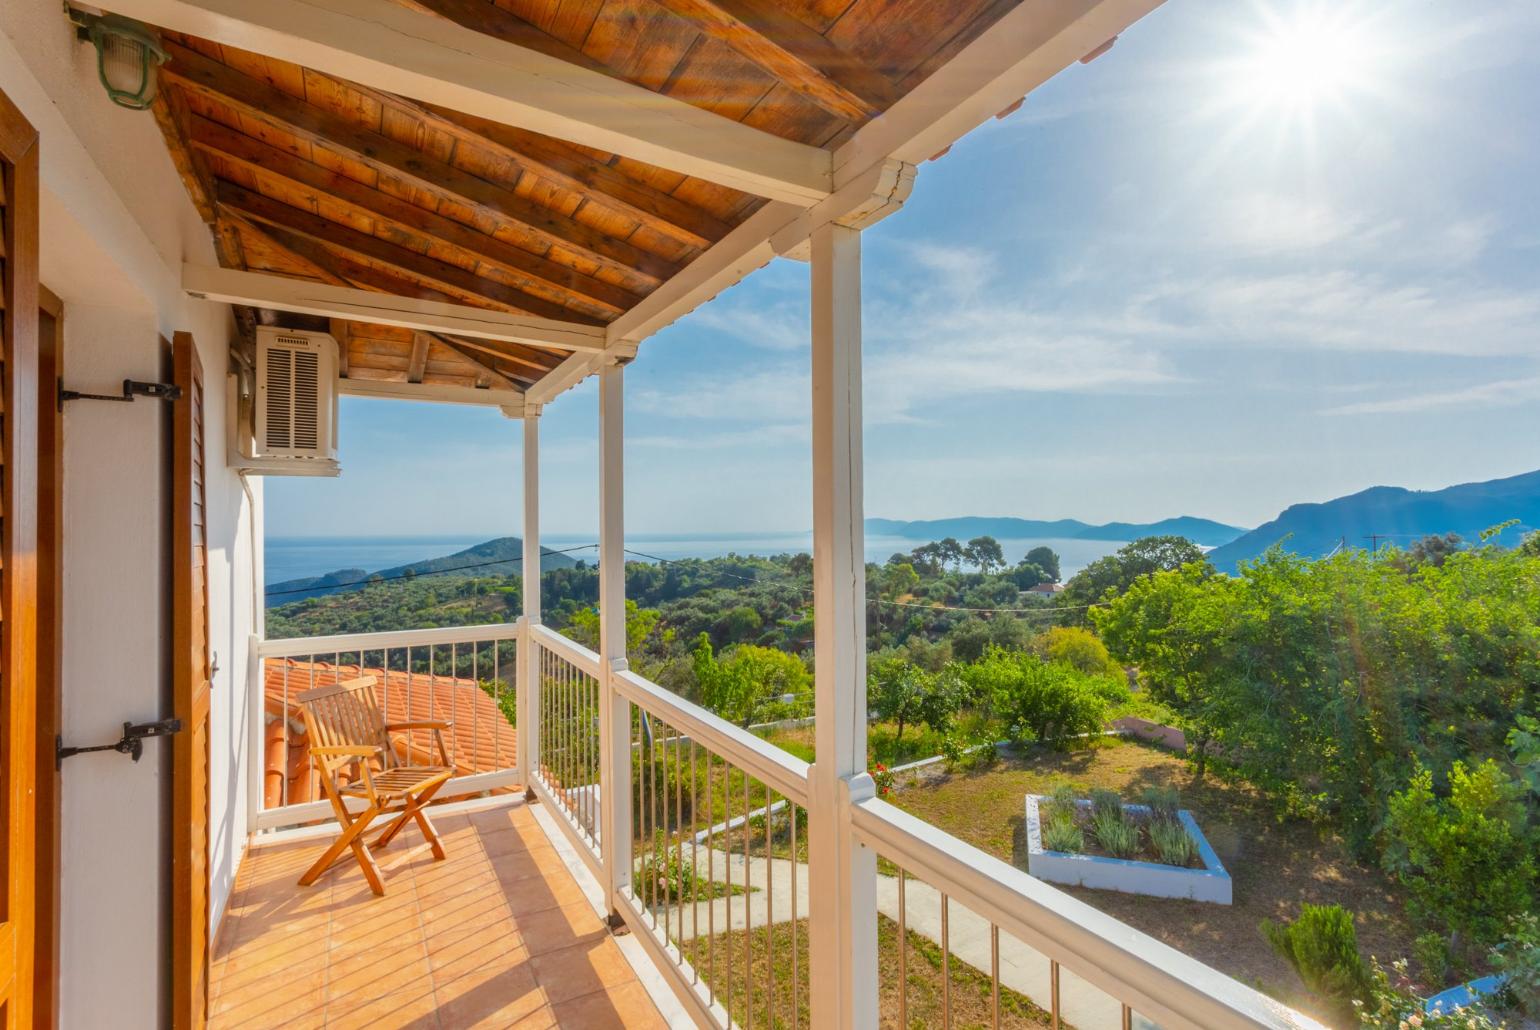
1501,393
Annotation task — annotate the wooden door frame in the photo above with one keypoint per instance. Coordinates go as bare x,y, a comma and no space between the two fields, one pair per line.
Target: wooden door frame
50,655
18,558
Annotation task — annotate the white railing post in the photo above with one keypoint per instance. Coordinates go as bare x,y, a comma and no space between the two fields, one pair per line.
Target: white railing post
842,874
614,710
527,672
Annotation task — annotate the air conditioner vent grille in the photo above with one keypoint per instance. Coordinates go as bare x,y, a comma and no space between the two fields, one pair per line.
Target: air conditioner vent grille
296,403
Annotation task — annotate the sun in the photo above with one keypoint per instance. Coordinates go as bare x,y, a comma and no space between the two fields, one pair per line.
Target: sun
1312,57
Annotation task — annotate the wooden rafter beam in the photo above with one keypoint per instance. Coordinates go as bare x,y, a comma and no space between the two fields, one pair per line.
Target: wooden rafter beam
500,23
486,372
335,236
313,298
793,52
341,331
417,360
421,55
527,357
541,225
569,167
262,158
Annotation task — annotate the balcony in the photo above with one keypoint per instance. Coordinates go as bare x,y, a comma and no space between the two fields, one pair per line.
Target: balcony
717,881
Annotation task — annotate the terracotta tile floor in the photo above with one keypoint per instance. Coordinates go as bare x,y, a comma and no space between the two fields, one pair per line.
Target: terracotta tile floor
499,934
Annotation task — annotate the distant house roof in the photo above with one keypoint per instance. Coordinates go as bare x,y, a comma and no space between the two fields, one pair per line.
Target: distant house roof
1046,588
480,739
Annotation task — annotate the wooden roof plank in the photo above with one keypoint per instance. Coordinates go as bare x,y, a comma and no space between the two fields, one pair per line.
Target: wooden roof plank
521,263
336,236
409,52
793,52
417,362
265,103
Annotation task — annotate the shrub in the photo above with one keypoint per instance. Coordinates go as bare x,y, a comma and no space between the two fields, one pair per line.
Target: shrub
1518,959
1163,801
1077,647
1173,843
1394,1006
1116,833
1063,835
660,869
1106,802
1322,946
1046,702
1468,859
882,776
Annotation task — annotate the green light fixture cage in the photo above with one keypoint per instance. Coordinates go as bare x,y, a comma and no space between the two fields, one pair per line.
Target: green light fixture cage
127,54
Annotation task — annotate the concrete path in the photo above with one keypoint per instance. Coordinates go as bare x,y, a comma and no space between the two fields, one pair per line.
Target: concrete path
1022,969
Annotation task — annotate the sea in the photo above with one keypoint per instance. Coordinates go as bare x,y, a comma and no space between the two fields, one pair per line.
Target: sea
300,557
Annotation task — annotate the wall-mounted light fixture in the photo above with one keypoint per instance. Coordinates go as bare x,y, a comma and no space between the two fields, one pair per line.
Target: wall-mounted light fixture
127,54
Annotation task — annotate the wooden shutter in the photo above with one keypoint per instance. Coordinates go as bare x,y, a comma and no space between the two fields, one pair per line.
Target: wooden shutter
191,689
18,556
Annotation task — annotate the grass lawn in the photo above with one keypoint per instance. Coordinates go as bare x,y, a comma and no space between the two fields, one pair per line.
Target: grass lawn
1275,864
762,952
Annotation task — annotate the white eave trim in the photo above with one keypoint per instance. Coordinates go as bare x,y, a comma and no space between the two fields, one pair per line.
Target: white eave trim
428,58
305,297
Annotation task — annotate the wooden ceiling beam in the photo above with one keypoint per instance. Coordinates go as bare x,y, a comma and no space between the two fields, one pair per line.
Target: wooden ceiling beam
793,52
540,361
570,168
306,297
417,360
263,158
491,20
336,236
266,103
421,55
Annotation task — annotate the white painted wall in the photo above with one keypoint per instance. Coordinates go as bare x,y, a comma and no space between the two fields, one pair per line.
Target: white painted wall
116,226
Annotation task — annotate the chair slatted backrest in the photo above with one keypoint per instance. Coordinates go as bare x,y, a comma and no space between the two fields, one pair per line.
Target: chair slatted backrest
347,715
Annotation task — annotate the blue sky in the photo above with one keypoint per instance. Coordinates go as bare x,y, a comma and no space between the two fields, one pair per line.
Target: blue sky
1259,253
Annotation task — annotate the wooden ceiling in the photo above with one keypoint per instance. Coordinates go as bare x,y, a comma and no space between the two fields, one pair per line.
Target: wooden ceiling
305,175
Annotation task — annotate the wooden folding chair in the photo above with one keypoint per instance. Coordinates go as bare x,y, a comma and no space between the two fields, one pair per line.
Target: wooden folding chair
348,732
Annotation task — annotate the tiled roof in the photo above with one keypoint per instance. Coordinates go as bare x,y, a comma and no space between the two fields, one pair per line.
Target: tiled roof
480,739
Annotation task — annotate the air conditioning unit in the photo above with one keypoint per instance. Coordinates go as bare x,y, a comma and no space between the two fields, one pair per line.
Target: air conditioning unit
287,411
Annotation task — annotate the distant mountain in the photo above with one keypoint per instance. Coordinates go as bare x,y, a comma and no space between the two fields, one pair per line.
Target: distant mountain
500,557
1396,515
1203,532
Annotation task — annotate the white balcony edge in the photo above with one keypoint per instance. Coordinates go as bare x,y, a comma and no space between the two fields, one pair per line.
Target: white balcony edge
294,815
585,660
352,643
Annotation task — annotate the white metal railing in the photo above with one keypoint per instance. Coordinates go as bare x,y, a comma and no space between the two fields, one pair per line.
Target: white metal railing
463,675
1018,936
715,884
565,746
719,866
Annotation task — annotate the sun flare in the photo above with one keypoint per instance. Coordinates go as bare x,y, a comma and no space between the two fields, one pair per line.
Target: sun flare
1311,58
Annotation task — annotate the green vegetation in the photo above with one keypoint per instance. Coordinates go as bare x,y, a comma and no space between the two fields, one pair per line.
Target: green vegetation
1322,946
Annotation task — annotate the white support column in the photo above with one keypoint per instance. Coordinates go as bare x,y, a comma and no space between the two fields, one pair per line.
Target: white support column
842,875
614,711
528,671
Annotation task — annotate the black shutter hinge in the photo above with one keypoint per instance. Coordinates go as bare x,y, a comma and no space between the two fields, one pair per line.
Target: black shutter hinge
131,388
132,743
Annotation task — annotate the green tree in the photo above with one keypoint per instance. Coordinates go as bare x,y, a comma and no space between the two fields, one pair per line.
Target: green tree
1112,575
1028,574
1174,626
985,553
745,678
902,692
1045,559
1468,859
1078,647
1048,702
641,623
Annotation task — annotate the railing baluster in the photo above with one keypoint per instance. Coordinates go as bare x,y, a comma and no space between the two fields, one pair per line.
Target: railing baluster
903,953
946,966
748,913
1053,992
796,972
994,975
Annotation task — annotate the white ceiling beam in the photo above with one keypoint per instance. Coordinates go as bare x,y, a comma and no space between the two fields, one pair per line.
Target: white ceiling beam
428,58
1028,46
562,378
510,401
306,297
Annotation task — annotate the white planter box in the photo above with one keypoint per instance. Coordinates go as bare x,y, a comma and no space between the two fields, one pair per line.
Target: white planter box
1211,883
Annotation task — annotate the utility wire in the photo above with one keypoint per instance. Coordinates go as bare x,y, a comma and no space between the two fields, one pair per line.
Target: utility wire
1016,611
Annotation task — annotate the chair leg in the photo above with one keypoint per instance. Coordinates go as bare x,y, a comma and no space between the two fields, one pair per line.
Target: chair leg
430,834
389,833
351,828
414,809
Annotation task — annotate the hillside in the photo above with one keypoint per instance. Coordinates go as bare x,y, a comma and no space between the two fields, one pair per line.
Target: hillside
500,557
1396,515
1203,532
